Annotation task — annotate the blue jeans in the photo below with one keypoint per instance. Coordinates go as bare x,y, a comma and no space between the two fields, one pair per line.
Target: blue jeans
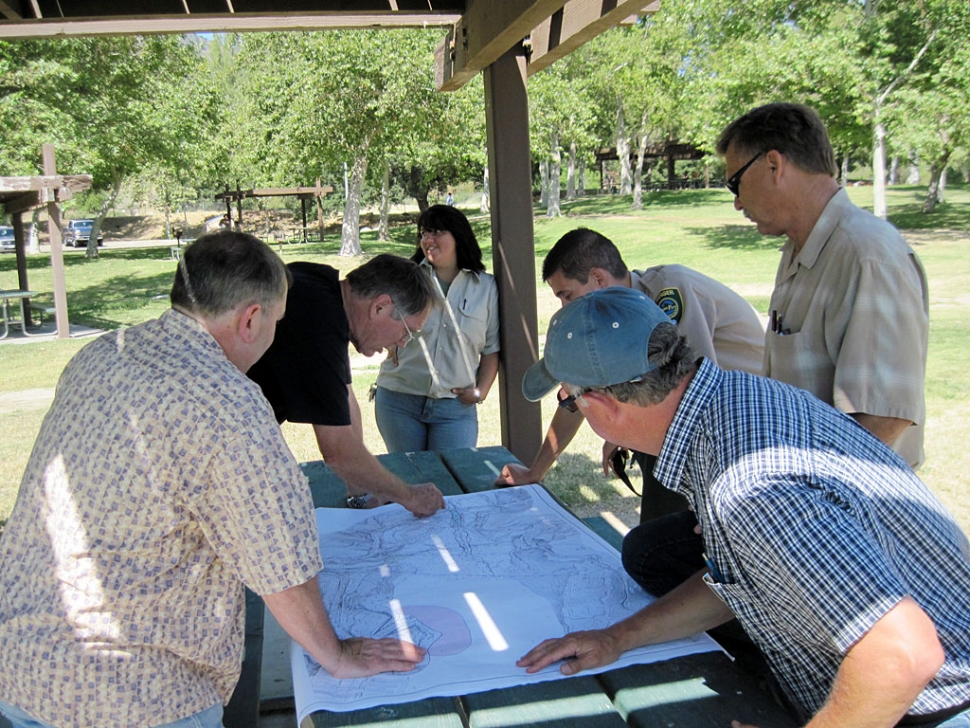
209,718
411,422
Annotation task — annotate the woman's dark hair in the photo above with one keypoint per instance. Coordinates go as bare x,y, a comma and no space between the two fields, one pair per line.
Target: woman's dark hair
443,217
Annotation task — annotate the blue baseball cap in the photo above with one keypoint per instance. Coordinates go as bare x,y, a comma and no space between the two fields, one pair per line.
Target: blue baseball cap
597,340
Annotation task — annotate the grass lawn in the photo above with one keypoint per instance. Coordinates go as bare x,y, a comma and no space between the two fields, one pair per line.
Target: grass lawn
698,228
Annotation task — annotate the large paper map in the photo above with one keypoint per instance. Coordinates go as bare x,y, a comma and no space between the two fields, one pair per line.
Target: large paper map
478,584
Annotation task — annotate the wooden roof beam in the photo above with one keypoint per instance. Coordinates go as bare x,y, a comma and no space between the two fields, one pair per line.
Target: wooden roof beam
221,23
7,10
578,22
484,34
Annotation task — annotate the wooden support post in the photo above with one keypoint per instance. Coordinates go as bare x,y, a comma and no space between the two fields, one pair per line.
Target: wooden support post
57,252
513,246
21,243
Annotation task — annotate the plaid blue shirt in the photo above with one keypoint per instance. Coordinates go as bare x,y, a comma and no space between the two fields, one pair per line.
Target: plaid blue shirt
816,529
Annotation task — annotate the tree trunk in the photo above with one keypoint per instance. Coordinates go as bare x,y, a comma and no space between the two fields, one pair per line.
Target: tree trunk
912,178
571,173
92,249
544,183
941,192
581,191
894,170
33,239
485,206
320,222
845,169
933,191
879,170
383,227
350,230
638,172
623,150
555,164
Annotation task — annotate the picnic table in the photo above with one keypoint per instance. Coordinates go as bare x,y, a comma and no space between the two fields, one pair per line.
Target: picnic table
5,298
706,689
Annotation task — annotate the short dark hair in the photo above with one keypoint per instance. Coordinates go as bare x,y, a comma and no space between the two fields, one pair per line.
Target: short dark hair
675,359
794,130
444,217
403,280
226,269
579,251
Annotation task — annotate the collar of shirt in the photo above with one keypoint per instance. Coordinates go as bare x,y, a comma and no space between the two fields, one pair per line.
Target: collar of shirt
821,233
680,434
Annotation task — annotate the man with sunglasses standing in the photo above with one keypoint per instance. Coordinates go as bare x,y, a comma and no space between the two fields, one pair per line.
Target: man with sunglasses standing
849,314
305,374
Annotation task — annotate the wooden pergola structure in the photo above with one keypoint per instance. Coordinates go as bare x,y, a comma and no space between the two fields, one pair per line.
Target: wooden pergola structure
505,40
670,151
303,194
23,194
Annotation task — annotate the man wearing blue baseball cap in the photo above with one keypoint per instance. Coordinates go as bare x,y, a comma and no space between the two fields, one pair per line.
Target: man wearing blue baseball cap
842,567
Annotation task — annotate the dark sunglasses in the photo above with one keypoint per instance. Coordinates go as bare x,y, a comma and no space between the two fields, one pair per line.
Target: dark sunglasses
734,182
568,403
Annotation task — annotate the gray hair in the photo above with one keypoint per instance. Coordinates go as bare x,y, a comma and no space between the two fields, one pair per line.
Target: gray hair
226,269
792,129
675,359
409,287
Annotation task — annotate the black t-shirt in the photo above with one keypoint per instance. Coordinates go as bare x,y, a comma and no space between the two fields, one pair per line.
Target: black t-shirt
305,372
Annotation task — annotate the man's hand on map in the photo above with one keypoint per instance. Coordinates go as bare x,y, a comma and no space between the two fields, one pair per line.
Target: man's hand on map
515,474
362,657
424,500
580,650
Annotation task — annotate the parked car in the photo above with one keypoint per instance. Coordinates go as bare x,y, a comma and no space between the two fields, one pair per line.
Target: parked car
78,232
6,239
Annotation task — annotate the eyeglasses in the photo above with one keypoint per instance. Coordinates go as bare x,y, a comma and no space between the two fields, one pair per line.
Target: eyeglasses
422,234
734,182
408,334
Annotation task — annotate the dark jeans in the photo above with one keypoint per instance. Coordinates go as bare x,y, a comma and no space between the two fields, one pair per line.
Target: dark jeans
664,552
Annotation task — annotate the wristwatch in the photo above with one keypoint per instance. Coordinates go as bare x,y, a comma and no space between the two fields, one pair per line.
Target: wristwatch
358,501
478,395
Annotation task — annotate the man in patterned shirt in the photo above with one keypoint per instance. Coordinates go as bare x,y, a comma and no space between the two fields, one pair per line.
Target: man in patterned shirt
158,486
839,563
850,308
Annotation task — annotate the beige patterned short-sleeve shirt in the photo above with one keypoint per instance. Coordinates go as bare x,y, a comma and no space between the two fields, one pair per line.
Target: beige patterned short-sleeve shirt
158,486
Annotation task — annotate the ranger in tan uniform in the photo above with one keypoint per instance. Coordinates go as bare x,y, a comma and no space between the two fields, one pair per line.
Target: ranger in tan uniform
719,323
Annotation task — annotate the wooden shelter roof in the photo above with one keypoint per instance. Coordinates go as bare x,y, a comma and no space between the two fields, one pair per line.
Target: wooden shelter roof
478,32
505,40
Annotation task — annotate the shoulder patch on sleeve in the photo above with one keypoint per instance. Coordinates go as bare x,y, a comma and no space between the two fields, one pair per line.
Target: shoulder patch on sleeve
671,303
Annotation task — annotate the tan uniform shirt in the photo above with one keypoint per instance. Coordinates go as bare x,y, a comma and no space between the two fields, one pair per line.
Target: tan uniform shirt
452,341
854,320
159,484
718,322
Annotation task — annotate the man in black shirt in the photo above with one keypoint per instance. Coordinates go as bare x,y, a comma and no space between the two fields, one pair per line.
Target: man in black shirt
306,376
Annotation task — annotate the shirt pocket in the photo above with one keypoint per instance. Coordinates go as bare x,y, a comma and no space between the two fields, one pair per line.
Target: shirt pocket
473,326
798,360
757,614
